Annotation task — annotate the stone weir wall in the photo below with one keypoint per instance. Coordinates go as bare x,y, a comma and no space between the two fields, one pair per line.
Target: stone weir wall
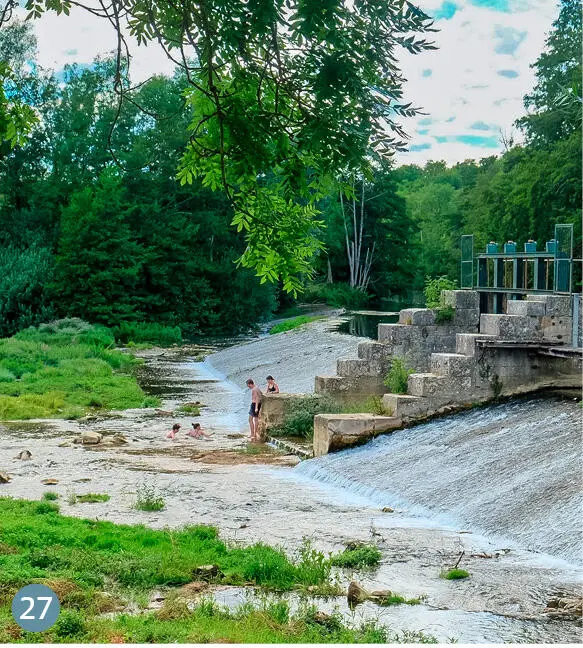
471,358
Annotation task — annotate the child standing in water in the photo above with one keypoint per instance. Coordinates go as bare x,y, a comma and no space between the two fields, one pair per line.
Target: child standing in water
174,431
198,433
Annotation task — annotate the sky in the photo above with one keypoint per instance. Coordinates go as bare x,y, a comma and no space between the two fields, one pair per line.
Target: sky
471,88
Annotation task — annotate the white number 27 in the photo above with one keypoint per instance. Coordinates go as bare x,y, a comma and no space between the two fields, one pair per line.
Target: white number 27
25,616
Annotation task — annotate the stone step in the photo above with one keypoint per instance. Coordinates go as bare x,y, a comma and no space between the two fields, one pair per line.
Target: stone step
349,386
373,351
405,406
395,333
338,431
290,448
417,317
454,365
426,384
529,308
465,343
558,305
354,368
511,327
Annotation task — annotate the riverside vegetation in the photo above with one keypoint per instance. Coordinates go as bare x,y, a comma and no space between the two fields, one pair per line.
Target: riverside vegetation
99,567
68,367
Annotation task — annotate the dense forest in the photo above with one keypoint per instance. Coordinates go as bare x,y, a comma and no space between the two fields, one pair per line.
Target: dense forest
94,223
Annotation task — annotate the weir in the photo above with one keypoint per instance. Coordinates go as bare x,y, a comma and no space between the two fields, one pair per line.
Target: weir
511,471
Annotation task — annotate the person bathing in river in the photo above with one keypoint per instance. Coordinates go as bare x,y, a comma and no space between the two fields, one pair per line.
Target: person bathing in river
198,433
174,431
272,386
254,409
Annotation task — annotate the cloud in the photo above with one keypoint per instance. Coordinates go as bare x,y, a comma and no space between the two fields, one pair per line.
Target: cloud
426,73
509,74
480,125
508,39
446,11
420,147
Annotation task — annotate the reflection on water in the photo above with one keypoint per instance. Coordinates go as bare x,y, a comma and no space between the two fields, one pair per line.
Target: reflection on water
366,325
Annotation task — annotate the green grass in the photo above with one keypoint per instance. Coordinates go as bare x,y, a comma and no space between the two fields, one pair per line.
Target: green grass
49,496
63,370
193,410
139,333
358,557
397,377
299,416
290,324
92,498
96,567
455,574
149,499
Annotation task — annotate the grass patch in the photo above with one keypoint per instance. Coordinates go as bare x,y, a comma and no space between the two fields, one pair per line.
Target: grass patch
372,405
357,557
193,410
63,369
92,498
340,295
397,599
455,574
140,333
49,496
397,377
80,559
293,323
149,499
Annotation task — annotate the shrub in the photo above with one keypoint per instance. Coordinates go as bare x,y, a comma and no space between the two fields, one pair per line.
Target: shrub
433,288
147,332
444,314
69,624
50,496
396,378
358,557
149,499
340,295
299,416
92,498
455,574
290,324
151,401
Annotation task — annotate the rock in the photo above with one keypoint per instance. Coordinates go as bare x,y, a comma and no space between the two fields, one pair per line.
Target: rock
207,571
25,455
49,481
161,412
4,477
119,438
65,444
194,588
356,594
89,438
380,595
565,607
322,618
388,509
236,436
83,479
243,526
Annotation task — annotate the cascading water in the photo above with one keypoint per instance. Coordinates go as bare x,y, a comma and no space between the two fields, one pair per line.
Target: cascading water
510,471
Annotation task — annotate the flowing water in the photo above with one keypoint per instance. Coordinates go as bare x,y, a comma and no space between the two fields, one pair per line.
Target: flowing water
510,471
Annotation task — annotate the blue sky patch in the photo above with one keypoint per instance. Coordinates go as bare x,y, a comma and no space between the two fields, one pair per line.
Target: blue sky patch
479,140
425,122
446,11
450,119
509,74
70,52
480,125
423,131
494,5
507,39
419,147
426,73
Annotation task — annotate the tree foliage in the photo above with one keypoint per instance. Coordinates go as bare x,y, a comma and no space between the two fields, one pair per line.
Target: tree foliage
283,97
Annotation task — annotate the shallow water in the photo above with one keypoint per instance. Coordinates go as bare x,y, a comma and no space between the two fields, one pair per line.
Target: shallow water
335,499
511,471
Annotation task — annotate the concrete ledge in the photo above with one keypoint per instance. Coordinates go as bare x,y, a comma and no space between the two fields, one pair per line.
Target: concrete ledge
350,387
554,304
466,342
426,384
526,308
358,367
511,327
461,299
417,317
337,431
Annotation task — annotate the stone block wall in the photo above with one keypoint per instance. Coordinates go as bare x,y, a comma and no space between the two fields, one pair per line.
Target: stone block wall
273,410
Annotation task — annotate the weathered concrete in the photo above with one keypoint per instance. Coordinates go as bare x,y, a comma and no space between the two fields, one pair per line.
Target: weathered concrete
461,299
417,317
350,387
337,431
526,307
511,327
273,410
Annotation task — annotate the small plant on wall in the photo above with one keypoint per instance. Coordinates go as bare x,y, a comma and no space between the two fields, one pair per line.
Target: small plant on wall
396,378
